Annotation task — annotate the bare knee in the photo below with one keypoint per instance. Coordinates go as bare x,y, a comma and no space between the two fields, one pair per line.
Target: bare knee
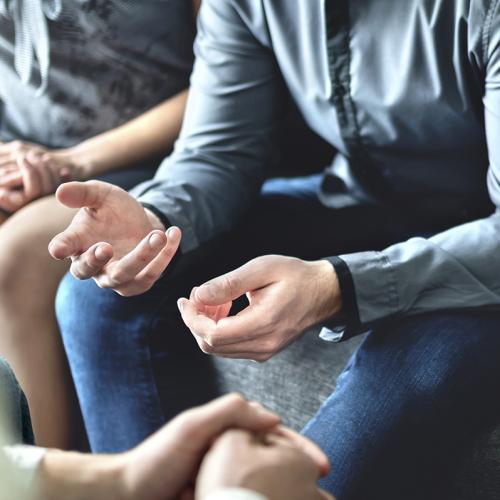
27,272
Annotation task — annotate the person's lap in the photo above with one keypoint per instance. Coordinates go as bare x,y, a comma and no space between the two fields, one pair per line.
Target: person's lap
409,403
136,365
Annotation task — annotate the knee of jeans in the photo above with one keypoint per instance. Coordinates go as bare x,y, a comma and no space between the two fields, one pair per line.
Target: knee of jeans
79,305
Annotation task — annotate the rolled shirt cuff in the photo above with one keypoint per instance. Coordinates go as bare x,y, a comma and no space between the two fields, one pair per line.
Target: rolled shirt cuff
347,324
234,494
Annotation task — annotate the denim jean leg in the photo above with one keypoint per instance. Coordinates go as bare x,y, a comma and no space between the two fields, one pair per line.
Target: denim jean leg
408,404
122,352
135,364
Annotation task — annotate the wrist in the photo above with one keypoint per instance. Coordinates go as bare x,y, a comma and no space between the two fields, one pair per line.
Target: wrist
155,221
329,301
79,159
74,476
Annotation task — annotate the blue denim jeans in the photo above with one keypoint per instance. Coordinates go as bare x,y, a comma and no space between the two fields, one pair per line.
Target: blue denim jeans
135,364
408,404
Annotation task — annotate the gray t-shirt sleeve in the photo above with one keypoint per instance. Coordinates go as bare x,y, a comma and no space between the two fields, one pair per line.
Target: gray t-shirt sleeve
226,142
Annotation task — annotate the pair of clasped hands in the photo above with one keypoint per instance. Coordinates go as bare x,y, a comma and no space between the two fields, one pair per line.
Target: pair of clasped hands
114,240
29,171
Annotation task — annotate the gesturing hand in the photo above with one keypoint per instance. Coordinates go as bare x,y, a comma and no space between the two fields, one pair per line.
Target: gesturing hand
277,466
286,296
113,239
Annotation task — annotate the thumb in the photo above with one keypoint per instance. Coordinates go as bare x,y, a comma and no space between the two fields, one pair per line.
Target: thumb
324,495
65,244
227,412
89,194
251,276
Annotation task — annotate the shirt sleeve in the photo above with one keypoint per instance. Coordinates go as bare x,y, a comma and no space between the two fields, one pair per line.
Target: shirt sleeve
234,494
18,466
454,269
235,102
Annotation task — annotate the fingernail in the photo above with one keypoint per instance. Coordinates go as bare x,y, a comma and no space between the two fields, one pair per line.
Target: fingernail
155,240
100,254
180,305
172,232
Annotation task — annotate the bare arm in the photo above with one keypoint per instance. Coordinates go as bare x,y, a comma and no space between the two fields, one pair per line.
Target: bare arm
147,136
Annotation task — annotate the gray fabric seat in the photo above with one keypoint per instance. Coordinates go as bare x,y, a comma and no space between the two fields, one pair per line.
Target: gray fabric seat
297,381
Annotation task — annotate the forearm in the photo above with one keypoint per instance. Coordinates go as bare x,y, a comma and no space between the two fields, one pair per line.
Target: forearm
455,269
147,136
74,476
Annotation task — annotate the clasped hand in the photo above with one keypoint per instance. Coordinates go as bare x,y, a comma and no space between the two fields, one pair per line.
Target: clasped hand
29,171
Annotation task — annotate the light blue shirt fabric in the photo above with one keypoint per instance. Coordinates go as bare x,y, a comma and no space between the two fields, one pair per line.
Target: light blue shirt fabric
408,92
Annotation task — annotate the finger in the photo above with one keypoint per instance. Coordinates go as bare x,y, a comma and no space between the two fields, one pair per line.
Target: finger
231,411
47,182
12,200
53,178
90,263
214,312
153,271
324,495
258,349
11,179
126,269
251,276
248,325
307,446
8,161
199,324
66,244
31,179
89,194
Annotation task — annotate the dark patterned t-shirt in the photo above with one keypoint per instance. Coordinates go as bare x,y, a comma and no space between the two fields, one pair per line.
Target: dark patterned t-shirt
110,60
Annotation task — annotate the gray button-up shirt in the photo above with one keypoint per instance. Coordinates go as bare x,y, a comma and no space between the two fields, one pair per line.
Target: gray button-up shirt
409,94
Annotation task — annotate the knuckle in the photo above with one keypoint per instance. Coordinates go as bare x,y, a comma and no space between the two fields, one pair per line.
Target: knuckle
144,255
262,358
236,402
117,277
205,347
187,423
231,282
149,278
77,272
271,345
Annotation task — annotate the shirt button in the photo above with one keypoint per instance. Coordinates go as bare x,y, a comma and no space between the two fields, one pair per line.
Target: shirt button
333,334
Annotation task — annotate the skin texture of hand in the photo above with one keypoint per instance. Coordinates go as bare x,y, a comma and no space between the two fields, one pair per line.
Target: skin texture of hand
276,466
166,465
113,239
286,296
29,171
